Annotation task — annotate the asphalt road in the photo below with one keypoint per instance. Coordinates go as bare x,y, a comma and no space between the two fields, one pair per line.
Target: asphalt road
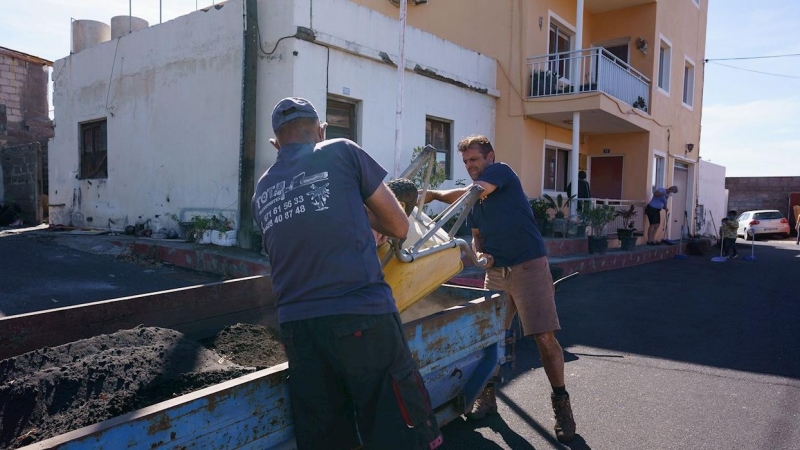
677,354
37,274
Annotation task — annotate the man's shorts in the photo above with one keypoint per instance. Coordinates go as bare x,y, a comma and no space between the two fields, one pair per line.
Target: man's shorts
353,383
653,215
529,286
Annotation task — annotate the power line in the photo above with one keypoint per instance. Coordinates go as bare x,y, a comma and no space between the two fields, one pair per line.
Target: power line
792,77
754,57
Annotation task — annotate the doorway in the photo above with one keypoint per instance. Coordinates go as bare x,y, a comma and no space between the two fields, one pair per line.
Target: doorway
680,178
606,177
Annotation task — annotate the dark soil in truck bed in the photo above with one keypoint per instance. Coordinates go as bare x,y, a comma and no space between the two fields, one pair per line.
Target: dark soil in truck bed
51,391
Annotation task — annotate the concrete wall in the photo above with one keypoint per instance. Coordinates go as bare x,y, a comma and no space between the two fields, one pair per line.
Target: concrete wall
171,95
749,193
712,197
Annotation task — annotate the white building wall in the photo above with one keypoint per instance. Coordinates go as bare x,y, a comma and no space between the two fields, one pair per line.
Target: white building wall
171,95
344,62
712,197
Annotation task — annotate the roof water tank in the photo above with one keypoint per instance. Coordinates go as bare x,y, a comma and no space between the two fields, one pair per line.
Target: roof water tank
88,33
122,25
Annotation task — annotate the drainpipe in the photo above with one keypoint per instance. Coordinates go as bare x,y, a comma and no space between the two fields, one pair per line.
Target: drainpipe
576,116
401,71
247,136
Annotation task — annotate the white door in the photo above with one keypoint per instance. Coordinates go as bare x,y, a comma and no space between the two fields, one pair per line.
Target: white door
676,210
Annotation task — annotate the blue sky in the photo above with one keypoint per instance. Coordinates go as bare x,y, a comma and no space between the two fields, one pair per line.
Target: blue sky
751,121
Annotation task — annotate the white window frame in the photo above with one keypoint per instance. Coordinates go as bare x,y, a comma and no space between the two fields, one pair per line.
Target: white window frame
558,146
655,179
689,70
661,80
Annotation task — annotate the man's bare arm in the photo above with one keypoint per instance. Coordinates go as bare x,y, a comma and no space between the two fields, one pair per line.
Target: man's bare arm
477,247
385,214
451,195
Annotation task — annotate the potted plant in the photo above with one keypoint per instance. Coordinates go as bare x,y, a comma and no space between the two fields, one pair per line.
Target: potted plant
224,231
540,216
598,217
625,235
580,230
543,82
558,205
199,230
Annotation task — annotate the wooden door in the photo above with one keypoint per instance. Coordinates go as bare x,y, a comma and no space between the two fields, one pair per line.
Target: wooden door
605,177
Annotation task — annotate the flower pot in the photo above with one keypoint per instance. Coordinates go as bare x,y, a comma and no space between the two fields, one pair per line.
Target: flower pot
224,238
560,227
624,232
547,229
580,231
205,238
627,243
598,245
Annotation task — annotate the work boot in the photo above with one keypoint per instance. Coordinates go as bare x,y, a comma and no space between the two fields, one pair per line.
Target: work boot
565,424
486,403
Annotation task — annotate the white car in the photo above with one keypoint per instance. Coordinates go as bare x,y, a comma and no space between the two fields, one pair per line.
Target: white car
761,222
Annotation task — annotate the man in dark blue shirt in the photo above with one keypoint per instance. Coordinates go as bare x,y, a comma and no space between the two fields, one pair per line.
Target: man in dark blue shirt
352,379
505,233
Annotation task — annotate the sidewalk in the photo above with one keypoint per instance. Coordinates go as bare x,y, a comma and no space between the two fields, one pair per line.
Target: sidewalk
569,254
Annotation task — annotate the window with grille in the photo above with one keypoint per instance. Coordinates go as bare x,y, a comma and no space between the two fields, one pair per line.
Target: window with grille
342,122
437,134
94,150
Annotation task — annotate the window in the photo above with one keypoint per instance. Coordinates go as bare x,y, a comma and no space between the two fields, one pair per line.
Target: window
341,118
437,134
94,146
658,172
556,169
664,63
696,3
560,42
688,83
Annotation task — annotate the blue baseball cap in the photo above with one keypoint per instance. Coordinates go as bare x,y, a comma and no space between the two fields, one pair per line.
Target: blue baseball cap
292,108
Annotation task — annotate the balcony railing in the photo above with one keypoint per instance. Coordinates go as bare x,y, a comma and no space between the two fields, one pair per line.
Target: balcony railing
588,70
618,206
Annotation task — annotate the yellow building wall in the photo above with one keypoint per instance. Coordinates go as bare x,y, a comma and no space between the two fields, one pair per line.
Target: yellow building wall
509,32
634,160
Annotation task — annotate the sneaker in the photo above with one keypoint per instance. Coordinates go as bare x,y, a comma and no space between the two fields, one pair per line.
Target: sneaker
486,403
735,256
565,423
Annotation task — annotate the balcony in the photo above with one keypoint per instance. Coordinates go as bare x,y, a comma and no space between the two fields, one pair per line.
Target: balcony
588,74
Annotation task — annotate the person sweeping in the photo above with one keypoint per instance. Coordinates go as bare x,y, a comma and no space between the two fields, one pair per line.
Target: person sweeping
653,211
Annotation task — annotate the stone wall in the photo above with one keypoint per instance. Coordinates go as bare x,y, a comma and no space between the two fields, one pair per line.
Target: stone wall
22,169
749,193
24,116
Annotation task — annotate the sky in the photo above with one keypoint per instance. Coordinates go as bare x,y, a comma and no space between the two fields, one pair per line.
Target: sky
751,121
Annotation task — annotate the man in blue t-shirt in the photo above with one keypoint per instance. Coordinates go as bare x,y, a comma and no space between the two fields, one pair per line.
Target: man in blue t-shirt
352,379
504,231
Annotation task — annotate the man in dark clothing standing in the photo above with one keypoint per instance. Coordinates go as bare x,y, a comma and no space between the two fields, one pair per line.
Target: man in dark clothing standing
583,191
352,379
504,231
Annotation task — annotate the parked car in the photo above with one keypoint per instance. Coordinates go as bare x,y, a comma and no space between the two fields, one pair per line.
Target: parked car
763,222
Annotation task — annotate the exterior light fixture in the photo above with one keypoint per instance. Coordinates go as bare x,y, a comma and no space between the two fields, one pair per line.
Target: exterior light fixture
641,44
689,147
